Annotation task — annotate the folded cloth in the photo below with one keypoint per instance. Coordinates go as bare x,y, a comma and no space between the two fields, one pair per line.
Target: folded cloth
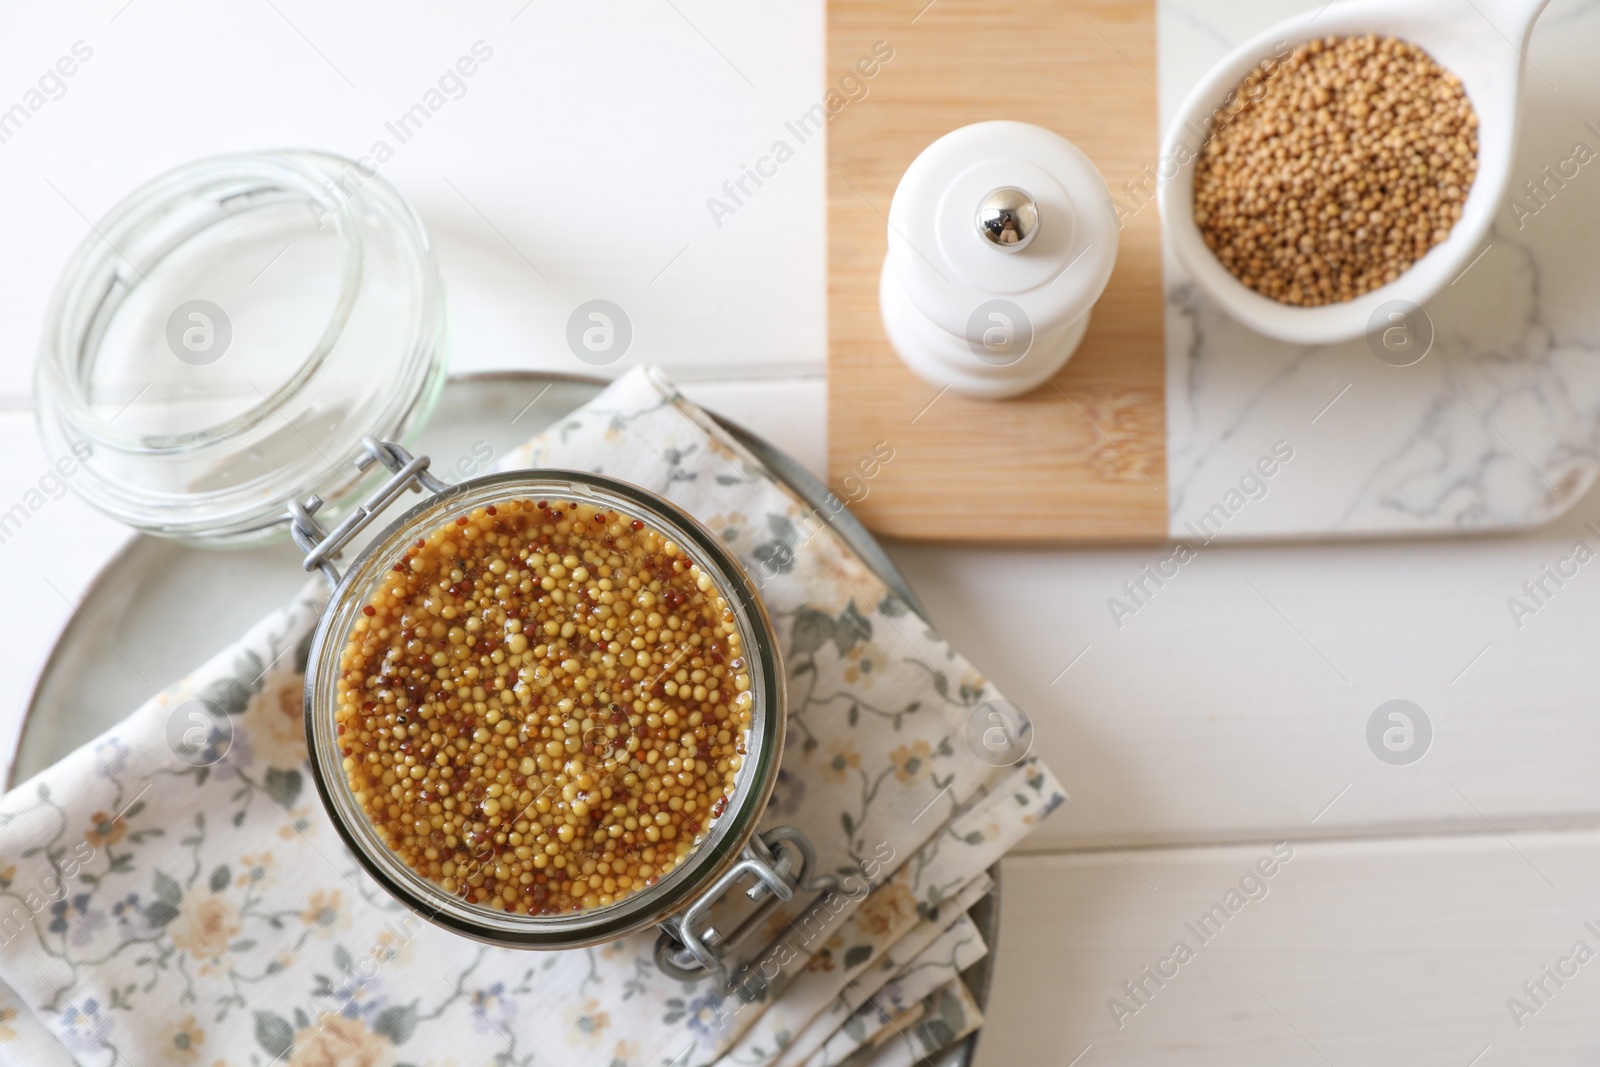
914,968
173,893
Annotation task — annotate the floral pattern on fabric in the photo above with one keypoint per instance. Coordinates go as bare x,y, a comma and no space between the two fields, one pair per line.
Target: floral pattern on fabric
173,892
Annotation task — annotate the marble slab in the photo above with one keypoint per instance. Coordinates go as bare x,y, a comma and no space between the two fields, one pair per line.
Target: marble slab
1496,428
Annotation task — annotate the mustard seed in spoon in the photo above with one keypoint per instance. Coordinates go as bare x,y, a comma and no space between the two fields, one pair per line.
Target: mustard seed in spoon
1342,167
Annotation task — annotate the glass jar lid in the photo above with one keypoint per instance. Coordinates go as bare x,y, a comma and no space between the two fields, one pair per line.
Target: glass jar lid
226,335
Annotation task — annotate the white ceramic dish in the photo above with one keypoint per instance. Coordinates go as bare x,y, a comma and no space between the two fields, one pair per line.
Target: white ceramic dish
1484,42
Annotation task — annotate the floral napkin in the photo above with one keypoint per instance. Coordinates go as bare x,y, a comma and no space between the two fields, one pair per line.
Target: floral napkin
174,893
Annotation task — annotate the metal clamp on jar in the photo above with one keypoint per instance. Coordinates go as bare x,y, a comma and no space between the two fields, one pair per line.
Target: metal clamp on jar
330,291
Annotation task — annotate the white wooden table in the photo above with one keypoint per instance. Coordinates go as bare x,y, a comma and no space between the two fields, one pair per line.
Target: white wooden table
1229,714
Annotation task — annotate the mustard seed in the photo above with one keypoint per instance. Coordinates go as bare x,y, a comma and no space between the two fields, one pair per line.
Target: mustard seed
544,709
1342,166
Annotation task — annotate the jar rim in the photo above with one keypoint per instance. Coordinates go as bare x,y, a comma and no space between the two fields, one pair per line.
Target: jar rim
642,908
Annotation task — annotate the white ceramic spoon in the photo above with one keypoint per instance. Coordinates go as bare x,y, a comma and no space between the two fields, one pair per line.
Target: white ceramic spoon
1484,42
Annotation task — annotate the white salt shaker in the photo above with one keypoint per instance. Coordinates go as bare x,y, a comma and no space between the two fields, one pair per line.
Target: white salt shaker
1002,236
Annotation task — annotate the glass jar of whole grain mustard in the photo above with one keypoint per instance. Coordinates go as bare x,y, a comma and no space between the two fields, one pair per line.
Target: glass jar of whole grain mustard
544,709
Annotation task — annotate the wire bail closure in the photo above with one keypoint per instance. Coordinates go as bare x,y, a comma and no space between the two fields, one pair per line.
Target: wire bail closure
690,948
321,546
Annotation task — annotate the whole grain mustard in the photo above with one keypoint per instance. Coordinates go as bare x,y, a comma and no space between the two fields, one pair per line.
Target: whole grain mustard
544,706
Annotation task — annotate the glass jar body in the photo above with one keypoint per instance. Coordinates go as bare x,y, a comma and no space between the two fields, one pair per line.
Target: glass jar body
721,843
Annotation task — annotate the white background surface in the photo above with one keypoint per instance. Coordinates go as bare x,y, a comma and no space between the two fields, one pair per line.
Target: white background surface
1228,713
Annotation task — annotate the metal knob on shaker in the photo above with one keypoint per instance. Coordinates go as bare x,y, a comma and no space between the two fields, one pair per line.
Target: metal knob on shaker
1002,236
1009,218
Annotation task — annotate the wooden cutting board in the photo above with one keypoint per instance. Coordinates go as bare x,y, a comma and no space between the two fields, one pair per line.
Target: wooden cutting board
1082,458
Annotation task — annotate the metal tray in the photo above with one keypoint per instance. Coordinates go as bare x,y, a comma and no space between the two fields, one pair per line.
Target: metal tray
159,609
